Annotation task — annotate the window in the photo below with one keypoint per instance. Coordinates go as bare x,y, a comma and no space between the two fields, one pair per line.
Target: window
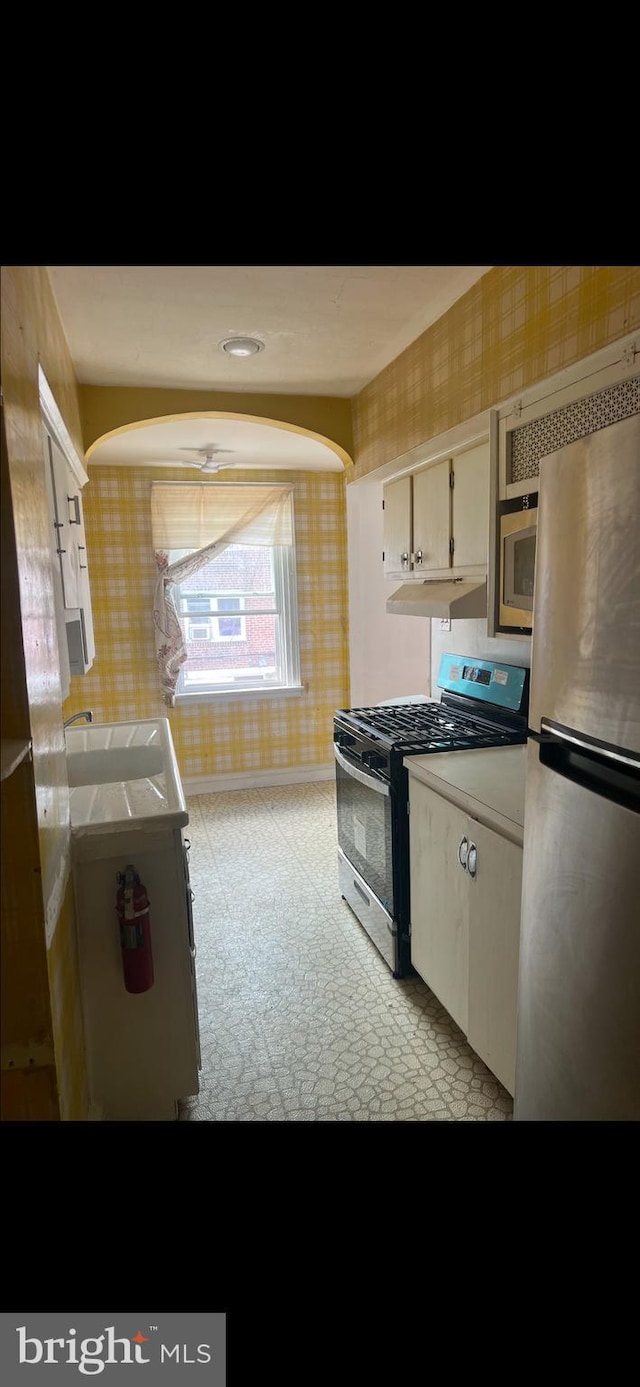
238,616
229,628
225,595
198,630
199,602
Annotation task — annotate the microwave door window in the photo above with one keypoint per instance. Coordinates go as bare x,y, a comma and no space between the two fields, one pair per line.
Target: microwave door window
519,568
524,562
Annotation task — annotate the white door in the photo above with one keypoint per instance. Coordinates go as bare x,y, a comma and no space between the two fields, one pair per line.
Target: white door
432,517
494,939
397,527
470,494
439,898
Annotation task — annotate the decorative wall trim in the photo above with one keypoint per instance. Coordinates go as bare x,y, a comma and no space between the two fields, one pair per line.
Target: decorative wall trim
567,424
254,780
566,404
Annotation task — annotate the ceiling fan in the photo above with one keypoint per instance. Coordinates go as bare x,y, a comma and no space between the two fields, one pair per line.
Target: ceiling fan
208,454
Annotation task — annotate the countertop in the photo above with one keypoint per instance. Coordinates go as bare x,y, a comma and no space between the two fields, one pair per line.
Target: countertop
488,783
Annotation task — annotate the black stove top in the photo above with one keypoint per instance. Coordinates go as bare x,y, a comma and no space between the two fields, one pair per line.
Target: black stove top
422,727
484,704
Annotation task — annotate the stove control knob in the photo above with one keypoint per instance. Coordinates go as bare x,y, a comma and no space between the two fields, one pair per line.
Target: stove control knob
375,761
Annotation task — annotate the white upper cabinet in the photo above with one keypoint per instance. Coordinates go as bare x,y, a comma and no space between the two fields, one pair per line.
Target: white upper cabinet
58,594
65,476
470,506
72,597
436,520
397,527
68,522
432,517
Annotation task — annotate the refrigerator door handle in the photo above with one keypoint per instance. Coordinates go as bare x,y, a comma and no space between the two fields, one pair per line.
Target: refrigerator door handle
557,732
612,777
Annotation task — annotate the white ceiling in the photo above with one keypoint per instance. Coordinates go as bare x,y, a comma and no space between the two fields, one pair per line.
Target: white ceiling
327,330
246,445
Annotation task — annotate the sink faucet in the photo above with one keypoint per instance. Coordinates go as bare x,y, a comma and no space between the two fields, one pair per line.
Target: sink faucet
87,715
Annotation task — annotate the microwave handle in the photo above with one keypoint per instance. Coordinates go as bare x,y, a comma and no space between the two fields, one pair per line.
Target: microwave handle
368,780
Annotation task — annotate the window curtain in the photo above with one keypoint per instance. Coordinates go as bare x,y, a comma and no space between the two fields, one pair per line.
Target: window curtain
205,517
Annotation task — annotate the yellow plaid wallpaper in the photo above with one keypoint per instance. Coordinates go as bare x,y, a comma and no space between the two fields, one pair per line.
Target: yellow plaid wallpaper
66,1012
517,325
228,737
32,336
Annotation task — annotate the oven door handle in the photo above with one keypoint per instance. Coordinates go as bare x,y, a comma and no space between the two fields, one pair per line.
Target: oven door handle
368,780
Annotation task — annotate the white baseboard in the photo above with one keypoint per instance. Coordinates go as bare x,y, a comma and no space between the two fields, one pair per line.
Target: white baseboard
254,780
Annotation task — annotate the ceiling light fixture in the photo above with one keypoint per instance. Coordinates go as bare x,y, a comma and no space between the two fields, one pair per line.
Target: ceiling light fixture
242,346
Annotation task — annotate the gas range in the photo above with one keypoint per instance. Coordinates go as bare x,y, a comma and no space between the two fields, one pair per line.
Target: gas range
484,703
425,727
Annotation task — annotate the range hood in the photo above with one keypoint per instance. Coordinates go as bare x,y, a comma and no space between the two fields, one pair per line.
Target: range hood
452,597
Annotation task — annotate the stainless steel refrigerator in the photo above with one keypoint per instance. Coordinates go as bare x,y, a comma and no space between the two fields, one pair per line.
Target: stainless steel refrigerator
578,1047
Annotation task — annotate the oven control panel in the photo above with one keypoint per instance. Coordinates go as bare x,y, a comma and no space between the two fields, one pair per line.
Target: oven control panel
490,681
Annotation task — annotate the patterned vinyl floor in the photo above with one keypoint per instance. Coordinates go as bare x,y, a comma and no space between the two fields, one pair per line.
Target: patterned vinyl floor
300,1017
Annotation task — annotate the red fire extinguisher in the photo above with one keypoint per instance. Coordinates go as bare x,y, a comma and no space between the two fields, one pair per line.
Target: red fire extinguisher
132,906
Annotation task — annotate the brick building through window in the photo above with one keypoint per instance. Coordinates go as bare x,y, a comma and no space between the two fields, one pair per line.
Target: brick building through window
238,620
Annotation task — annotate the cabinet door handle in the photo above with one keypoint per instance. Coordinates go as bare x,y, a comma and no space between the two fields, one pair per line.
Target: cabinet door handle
472,860
75,502
418,556
463,851
404,558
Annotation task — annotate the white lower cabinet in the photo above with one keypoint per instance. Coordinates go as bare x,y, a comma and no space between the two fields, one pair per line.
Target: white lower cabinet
494,939
439,900
465,922
143,1049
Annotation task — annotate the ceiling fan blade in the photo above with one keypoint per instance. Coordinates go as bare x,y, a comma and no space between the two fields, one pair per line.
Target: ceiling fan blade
206,466
211,451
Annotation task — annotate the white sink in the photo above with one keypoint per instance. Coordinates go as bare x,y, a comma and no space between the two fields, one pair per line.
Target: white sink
123,775
115,763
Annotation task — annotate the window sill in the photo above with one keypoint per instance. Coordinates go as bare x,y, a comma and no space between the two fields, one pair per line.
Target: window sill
232,695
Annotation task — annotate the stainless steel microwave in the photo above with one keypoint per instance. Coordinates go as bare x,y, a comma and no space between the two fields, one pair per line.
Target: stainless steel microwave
517,528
